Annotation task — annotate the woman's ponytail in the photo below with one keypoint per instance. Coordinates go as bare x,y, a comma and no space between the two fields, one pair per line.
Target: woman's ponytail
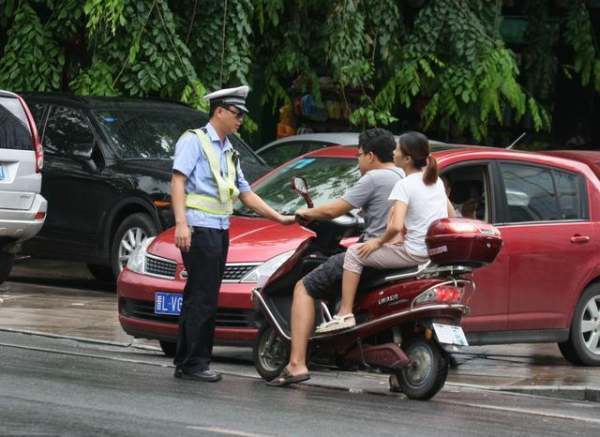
430,174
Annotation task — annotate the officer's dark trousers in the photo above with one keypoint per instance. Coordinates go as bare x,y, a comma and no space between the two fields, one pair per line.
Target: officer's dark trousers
205,264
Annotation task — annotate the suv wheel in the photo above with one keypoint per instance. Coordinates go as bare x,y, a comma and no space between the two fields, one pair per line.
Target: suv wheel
6,262
583,345
130,233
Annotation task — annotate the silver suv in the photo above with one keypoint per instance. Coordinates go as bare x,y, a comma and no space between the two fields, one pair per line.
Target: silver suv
22,208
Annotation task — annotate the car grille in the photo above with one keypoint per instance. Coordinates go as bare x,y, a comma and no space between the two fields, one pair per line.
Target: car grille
226,317
167,268
160,267
235,272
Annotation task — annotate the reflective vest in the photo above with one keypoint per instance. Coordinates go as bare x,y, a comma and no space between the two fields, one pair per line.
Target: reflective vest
227,191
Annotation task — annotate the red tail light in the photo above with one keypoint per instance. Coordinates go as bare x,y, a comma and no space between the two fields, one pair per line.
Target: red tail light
35,138
39,154
448,294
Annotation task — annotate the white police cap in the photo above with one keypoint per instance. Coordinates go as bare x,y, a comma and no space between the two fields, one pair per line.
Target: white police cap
230,96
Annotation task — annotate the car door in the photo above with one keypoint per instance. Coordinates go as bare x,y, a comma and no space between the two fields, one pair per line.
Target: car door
489,303
73,183
547,241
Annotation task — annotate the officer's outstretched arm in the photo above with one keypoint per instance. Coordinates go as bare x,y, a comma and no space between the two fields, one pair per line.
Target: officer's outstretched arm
259,206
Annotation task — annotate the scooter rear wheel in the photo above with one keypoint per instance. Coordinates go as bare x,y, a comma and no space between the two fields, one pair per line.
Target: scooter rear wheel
426,375
271,353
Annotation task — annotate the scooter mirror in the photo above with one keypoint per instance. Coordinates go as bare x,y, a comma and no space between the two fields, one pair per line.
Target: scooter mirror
299,185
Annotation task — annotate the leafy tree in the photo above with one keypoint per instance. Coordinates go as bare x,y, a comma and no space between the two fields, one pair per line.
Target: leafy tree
443,61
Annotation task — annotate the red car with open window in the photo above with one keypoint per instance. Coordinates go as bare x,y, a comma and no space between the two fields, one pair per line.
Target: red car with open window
544,286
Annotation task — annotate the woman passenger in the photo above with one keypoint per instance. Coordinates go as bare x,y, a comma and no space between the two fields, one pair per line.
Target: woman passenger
419,199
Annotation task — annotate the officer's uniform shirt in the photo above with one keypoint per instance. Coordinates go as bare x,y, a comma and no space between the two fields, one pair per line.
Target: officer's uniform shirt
190,161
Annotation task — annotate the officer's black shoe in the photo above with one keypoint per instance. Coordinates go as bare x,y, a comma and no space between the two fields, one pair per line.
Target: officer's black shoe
200,375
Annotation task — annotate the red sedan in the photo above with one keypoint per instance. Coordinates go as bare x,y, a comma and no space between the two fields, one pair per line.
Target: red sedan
543,287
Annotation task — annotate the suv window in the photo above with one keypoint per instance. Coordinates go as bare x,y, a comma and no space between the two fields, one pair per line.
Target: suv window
14,128
535,193
67,130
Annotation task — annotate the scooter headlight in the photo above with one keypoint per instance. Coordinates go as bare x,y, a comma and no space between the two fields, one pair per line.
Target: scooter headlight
137,260
261,274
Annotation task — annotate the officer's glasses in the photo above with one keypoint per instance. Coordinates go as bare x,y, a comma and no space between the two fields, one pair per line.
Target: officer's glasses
238,114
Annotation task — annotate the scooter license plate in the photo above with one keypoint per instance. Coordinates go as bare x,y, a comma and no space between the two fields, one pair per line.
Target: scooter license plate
450,334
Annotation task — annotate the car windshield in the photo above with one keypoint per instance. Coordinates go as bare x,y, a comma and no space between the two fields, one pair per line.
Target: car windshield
140,133
152,134
328,179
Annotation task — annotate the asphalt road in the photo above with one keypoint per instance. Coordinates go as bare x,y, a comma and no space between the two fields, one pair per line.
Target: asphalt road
62,387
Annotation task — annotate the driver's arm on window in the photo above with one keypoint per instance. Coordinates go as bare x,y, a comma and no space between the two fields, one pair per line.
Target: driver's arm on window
327,211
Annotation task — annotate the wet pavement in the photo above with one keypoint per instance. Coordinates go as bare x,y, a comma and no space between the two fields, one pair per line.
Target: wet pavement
50,298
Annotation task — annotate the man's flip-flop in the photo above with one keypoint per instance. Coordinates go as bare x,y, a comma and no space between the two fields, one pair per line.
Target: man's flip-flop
285,378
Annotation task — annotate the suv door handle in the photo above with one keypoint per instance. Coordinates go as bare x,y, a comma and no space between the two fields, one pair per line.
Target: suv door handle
580,239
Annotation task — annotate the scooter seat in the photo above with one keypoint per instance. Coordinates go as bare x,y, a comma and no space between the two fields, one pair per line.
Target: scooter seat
372,278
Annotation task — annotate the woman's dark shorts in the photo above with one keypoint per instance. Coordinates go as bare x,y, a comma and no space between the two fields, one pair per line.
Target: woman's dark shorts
325,282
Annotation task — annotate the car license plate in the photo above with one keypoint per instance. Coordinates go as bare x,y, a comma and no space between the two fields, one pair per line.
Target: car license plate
450,334
167,303
2,175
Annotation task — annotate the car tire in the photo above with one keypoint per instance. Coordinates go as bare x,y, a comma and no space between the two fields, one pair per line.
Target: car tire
169,348
101,273
6,262
130,233
583,346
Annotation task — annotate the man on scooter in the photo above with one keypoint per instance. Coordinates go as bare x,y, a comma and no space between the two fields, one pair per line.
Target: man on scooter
371,194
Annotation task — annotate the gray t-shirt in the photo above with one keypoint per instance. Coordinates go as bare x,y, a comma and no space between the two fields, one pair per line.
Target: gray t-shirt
371,193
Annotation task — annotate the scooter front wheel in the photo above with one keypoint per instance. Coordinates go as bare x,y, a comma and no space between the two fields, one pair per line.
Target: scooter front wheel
271,353
425,375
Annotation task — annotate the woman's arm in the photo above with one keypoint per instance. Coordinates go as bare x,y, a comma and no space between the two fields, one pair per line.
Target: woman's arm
394,227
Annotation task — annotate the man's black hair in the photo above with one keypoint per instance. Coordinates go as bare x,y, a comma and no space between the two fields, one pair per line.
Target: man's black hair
214,104
380,142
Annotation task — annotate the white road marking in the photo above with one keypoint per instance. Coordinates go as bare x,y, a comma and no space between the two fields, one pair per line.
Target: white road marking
225,431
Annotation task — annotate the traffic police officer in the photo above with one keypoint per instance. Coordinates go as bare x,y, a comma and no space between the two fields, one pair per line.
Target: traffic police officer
206,181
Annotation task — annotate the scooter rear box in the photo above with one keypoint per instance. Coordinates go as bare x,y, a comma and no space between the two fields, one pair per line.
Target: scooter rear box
462,241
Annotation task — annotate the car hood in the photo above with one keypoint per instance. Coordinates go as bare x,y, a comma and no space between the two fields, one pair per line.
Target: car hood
250,240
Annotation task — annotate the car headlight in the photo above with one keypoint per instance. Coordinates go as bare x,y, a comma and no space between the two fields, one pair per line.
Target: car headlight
137,260
261,273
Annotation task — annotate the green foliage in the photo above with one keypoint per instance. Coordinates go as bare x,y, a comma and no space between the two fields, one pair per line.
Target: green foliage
97,80
539,61
580,36
221,42
443,60
104,15
32,59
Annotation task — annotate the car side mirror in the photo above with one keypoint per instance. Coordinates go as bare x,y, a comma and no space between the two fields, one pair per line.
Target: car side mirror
83,152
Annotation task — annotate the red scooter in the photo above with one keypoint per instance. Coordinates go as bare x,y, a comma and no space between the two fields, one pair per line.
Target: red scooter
407,320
